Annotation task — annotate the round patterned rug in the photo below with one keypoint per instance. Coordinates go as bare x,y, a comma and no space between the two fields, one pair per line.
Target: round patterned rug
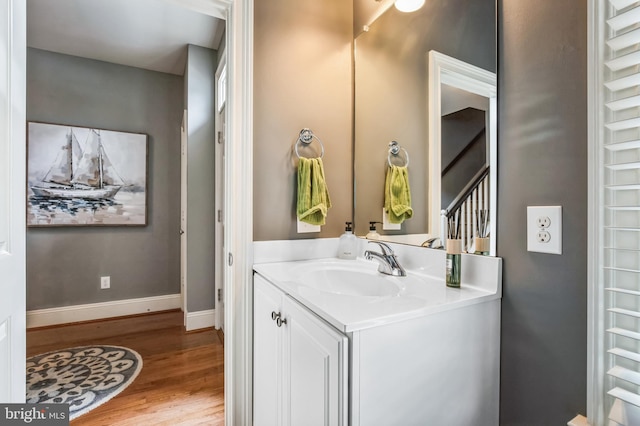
83,377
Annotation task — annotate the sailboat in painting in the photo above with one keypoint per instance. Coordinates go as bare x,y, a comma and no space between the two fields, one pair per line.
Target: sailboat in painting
80,172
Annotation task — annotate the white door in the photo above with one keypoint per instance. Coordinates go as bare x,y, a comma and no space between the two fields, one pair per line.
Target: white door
12,200
221,102
183,215
317,370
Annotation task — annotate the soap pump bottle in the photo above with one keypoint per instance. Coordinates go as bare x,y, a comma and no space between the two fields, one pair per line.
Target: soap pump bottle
373,234
348,243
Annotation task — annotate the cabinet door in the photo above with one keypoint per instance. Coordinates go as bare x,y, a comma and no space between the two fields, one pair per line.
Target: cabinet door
267,352
317,370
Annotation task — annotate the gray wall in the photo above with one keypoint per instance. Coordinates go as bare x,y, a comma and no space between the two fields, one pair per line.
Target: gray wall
542,125
64,264
199,92
302,78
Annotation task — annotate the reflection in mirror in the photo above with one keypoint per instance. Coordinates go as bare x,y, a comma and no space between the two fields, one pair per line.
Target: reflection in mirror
463,139
392,102
462,146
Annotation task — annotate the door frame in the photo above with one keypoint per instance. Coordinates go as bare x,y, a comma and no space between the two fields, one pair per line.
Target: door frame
220,174
596,301
13,107
238,235
183,215
238,202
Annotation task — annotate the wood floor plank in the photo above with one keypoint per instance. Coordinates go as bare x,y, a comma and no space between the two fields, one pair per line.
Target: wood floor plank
182,378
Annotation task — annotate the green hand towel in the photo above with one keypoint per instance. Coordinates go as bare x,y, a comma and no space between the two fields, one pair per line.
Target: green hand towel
313,194
397,194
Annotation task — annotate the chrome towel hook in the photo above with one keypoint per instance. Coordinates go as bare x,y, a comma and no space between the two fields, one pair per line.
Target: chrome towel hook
306,136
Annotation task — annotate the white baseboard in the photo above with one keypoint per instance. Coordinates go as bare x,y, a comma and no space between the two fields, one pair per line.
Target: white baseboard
95,311
201,319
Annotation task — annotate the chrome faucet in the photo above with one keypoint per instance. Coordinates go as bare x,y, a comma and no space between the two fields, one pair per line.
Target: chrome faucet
387,259
434,242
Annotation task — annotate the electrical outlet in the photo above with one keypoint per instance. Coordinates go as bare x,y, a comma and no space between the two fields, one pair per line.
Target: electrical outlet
543,222
543,237
105,282
544,229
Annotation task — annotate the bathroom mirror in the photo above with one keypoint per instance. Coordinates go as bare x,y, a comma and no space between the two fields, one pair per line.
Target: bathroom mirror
394,101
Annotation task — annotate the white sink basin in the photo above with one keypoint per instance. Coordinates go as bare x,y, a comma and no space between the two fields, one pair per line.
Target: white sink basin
352,295
352,283
341,278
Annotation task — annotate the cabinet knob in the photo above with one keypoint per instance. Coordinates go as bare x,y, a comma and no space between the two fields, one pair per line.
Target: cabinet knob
280,321
274,315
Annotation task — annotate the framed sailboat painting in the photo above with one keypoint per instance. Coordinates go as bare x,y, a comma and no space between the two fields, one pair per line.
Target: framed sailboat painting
79,176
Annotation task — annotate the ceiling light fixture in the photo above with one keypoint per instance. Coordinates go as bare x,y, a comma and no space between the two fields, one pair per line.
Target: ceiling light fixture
409,5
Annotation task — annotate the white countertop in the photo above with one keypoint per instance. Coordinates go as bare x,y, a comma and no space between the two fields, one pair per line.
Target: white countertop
419,294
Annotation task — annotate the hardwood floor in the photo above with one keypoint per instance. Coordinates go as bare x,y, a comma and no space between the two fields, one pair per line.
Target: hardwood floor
182,379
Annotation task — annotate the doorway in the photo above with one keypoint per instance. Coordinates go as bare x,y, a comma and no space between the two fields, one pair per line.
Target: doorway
154,158
239,159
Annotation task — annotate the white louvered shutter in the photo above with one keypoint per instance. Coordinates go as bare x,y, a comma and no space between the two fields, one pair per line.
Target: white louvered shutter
619,218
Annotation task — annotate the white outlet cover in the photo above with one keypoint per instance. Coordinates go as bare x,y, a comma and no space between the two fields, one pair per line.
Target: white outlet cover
105,282
554,213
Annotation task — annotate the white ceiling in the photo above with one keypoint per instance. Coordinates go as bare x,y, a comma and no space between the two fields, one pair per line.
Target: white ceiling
149,34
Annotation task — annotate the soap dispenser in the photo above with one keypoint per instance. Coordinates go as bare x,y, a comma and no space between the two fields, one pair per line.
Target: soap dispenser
348,243
373,234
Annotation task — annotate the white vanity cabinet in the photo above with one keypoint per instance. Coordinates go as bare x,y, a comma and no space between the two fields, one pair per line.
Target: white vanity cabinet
419,353
300,363
438,369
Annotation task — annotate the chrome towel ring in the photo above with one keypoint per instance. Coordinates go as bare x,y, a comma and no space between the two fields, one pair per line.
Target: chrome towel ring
394,150
306,136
